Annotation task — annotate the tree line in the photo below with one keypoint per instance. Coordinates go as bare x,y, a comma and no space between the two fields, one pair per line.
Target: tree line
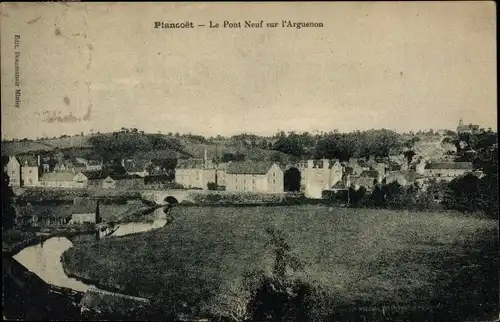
334,145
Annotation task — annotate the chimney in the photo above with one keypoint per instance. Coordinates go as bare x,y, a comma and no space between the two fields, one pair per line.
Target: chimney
205,158
39,163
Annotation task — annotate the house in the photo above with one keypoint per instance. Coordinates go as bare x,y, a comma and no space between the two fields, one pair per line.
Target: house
94,165
354,164
23,170
420,166
404,177
319,175
122,182
469,128
108,183
79,167
367,179
339,186
135,168
128,181
381,168
92,179
59,180
14,172
85,210
30,170
195,173
80,180
447,171
248,176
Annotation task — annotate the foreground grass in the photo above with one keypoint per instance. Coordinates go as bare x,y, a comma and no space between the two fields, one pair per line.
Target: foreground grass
363,258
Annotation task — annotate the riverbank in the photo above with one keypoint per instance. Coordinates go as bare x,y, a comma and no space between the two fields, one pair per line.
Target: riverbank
31,239
45,255
365,256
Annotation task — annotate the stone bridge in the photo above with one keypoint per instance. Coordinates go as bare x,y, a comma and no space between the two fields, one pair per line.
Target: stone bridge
159,196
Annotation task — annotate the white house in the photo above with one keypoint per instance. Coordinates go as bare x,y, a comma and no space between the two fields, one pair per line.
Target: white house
319,175
247,176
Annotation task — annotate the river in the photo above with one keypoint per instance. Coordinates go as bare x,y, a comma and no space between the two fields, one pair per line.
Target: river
44,259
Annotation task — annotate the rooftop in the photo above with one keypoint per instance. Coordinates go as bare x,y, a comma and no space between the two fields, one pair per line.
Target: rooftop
134,166
30,159
249,167
409,175
369,173
340,185
190,164
93,174
450,165
57,176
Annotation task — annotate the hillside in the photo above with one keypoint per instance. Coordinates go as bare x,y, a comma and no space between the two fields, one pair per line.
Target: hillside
432,147
140,146
116,144
21,147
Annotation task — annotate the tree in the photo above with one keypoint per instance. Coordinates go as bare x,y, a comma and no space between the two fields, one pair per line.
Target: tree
8,212
276,157
464,194
226,157
114,168
409,156
239,156
281,298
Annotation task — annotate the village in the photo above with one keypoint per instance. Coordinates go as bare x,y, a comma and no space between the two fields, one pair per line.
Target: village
310,177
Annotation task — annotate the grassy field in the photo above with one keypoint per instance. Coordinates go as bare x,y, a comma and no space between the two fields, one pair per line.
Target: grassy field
366,259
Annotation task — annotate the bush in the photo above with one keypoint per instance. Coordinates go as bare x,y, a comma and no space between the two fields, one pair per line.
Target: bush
12,237
237,198
212,186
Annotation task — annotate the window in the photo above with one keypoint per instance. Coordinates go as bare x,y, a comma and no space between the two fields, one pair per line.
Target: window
30,172
274,174
253,181
274,181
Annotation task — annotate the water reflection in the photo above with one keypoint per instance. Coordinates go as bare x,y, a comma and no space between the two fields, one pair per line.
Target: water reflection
45,261
155,220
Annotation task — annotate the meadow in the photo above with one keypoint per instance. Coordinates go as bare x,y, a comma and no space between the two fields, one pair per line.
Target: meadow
385,265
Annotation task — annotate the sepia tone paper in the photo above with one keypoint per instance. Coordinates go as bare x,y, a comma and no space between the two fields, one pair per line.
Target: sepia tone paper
371,65
265,71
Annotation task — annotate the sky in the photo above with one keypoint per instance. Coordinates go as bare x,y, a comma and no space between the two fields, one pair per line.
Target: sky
102,66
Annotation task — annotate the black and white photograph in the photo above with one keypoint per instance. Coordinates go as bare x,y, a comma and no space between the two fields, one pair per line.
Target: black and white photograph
249,161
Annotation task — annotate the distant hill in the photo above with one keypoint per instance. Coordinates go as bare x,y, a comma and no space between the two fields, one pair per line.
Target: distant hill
108,144
22,147
141,146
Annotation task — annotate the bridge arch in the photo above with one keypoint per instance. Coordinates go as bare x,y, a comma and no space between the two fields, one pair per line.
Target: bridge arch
171,200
